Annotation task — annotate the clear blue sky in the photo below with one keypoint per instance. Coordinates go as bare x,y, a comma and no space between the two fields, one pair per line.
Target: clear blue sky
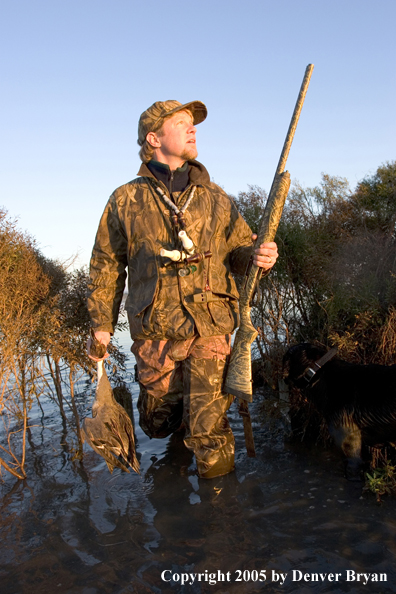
77,74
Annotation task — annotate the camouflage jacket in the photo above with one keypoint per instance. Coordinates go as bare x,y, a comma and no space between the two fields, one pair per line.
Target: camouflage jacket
162,304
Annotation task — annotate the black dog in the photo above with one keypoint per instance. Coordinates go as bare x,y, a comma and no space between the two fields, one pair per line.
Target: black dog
358,402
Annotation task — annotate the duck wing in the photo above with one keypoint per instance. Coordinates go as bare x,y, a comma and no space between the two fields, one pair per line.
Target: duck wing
121,428
102,442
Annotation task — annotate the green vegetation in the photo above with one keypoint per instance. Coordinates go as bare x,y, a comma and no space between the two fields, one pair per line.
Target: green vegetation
381,480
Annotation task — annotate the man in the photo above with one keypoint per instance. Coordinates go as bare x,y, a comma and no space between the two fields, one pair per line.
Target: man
182,300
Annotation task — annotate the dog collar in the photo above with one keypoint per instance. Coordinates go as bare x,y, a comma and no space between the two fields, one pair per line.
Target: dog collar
312,371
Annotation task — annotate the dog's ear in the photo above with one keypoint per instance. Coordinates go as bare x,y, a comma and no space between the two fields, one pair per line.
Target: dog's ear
297,354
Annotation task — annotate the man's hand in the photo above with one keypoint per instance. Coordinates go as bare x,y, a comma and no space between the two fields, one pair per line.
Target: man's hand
266,255
103,338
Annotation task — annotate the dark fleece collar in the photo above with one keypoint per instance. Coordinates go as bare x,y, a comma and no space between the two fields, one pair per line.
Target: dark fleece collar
175,181
197,173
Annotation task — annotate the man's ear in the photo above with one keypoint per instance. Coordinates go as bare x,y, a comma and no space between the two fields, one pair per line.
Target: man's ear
153,139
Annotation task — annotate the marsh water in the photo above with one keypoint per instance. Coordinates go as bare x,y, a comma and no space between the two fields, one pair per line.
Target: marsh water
285,521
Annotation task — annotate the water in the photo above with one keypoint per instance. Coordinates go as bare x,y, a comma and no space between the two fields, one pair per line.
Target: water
73,528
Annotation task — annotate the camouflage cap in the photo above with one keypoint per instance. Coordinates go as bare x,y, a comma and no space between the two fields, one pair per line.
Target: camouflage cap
161,109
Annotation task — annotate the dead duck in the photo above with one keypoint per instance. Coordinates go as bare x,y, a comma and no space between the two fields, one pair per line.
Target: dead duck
110,431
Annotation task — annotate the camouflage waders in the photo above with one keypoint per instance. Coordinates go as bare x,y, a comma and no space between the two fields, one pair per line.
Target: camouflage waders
181,381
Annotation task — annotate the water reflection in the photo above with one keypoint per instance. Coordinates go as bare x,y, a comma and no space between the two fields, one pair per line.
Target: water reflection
73,528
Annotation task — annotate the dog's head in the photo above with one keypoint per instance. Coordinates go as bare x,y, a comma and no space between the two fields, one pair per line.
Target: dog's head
296,361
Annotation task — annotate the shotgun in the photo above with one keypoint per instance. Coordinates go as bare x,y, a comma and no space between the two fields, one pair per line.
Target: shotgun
239,375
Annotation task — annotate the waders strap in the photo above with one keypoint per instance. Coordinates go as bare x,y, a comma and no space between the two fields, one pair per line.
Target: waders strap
247,428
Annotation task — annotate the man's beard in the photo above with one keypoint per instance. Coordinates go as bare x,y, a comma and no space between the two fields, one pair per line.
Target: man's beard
190,153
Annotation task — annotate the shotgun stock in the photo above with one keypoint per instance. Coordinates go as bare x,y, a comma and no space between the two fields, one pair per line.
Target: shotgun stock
239,375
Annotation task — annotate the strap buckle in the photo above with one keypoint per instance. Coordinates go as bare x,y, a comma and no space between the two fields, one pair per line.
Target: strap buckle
310,374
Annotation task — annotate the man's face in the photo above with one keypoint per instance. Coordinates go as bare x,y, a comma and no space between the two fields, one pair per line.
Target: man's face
177,139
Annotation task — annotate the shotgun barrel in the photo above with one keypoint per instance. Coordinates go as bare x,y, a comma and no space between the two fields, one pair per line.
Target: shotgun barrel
239,375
